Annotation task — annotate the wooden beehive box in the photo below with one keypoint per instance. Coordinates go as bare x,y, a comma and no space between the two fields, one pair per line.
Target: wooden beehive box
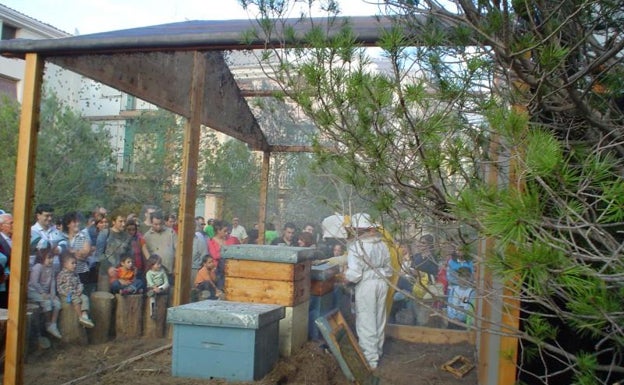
222,339
322,278
268,274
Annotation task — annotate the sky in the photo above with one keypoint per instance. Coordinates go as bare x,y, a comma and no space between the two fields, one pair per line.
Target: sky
91,16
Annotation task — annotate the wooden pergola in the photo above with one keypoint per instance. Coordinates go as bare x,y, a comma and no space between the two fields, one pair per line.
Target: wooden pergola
179,67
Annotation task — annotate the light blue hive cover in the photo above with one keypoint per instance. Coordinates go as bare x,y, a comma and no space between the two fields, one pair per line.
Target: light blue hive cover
225,314
269,253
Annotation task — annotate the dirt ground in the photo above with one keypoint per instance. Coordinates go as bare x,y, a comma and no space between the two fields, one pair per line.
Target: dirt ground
403,363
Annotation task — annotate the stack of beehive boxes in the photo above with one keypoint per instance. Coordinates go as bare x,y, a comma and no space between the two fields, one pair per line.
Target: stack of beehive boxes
273,275
322,296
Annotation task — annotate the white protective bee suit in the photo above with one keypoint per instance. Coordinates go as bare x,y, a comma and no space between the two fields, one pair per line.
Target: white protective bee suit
368,263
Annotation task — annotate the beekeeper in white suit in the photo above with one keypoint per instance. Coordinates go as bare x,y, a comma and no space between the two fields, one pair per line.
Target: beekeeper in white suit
368,266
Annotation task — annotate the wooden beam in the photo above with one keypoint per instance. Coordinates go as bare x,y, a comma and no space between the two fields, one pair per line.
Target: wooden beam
280,148
188,190
424,335
225,109
22,209
264,187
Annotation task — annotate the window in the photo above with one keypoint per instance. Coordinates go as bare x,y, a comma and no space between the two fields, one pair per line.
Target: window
8,32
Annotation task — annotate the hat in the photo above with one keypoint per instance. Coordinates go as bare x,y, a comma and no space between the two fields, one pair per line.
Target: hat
333,227
362,221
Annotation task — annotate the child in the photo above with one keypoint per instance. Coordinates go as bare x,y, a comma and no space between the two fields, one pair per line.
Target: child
461,300
157,281
123,278
70,289
206,279
42,286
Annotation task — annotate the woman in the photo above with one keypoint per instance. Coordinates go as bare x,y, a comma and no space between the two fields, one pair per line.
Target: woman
79,246
136,240
221,238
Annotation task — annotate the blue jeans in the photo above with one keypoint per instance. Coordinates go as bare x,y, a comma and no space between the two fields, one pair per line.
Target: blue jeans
116,286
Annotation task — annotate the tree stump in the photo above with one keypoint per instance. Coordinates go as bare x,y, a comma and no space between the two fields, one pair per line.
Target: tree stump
71,329
155,327
129,315
102,303
103,284
33,326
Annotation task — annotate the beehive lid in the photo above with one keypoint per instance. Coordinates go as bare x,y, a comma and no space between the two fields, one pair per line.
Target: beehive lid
225,314
324,271
268,253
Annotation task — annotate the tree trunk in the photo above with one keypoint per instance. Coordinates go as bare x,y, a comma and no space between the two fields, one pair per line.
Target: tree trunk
154,327
129,315
101,314
73,332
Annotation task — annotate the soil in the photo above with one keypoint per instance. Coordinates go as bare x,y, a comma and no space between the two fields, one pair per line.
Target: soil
403,363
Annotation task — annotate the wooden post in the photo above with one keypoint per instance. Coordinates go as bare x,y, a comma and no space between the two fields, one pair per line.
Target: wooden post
188,190
154,327
129,316
71,329
264,187
22,209
102,303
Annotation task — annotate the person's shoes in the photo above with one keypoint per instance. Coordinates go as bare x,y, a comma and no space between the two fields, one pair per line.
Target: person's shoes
53,330
124,291
131,289
86,321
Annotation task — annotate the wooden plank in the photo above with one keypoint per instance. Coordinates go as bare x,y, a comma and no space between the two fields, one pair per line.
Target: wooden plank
22,208
165,79
272,271
425,335
344,347
161,78
264,291
188,187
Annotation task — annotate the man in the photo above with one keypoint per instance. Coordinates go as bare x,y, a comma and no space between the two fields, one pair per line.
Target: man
171,221
161,240
44,229
368,266
288,235
200,247
111,246
6,232
238,231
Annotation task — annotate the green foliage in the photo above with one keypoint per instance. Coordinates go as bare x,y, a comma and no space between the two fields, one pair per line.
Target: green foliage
9,127
544,154
152,169
74,160
505,117
234,172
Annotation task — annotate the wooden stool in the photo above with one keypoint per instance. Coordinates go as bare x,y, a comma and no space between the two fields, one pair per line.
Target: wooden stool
129,315
154,327
71,329
102,303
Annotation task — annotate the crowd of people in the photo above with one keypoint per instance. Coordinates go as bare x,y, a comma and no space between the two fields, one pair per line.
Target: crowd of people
120,253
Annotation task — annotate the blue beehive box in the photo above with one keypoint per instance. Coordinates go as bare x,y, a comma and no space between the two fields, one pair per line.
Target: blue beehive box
319,306
222,339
